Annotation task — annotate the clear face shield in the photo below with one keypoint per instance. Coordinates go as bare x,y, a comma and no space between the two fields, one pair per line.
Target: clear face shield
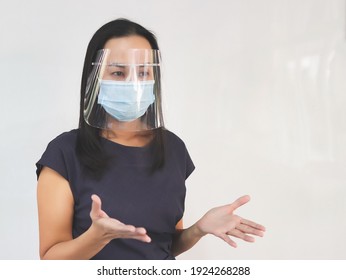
123,91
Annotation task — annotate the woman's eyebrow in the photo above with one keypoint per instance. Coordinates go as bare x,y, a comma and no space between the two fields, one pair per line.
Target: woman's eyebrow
123,65
115,64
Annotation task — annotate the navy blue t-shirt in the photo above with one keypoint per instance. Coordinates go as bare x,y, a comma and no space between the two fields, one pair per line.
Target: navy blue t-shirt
129,193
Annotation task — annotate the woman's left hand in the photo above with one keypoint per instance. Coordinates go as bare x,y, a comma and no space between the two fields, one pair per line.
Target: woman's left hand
222,222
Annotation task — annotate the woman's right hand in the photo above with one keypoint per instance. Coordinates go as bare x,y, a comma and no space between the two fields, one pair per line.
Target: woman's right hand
110,228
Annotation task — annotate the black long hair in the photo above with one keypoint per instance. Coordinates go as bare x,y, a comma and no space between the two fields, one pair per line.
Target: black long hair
89,148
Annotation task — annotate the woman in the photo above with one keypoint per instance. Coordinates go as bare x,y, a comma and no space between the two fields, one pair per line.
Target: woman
115,187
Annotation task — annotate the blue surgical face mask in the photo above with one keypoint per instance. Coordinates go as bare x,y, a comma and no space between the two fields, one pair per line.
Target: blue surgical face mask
126,101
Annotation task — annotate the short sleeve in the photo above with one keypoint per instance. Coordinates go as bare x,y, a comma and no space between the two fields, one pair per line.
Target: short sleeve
179,151
190,167
55,158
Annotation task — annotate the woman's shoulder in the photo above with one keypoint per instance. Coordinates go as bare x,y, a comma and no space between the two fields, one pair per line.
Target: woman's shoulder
173,138
65,139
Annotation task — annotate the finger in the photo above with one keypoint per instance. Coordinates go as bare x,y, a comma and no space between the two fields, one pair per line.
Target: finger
141,231
239,202
143,238
253,224
95,205
132,235
130,230
142,235
249,230
241,235
227,239
135,233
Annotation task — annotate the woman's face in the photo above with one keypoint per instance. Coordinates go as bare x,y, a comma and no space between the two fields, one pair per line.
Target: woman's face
126,60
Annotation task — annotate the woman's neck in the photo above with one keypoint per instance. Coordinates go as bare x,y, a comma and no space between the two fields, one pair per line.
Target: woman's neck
128,138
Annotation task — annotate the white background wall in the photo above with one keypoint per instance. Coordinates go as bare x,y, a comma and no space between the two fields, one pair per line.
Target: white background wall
256,89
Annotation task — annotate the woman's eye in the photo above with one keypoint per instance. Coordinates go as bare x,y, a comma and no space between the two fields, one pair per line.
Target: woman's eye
143,74
118,73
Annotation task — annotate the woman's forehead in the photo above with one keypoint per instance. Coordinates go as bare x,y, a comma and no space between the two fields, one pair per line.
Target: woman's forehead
125,43
142,57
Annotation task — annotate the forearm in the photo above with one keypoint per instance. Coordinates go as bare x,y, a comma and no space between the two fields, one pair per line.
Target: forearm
185,239
83,247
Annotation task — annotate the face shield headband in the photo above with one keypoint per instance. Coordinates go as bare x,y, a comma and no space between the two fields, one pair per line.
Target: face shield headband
123,90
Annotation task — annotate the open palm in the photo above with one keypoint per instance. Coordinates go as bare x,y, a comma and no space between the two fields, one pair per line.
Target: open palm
222,222
111,228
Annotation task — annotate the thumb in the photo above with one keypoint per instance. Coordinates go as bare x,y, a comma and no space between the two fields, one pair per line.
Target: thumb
239,202
96,210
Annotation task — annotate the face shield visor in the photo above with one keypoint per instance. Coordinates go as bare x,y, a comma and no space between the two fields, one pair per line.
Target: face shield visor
123,90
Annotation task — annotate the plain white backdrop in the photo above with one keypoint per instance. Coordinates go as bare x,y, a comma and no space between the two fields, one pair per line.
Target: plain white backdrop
256,89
